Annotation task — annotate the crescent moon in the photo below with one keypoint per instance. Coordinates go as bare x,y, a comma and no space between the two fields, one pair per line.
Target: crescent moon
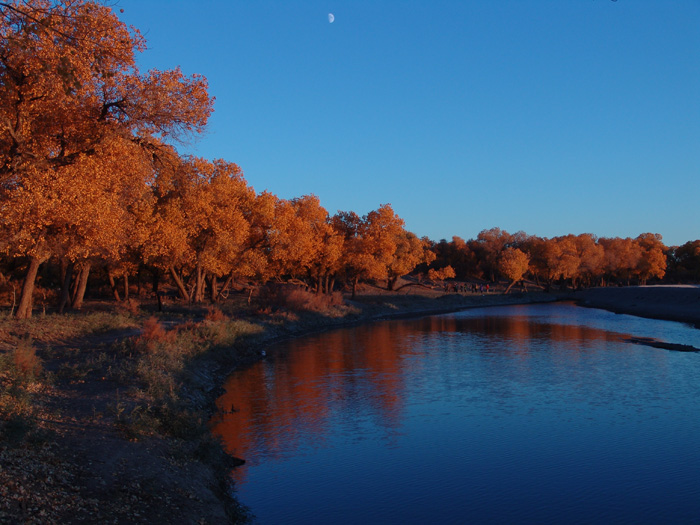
330,18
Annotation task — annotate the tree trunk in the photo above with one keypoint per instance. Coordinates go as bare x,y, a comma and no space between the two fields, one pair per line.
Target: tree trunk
214,289
227,283
509,287
354,286
82,285
199,284
24,311
65,288
126,286
74,289
180,285
319,284
155,272
113,285
64,267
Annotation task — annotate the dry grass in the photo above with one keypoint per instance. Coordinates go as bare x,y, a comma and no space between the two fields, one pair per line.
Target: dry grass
130,307
163,359
273,298
297,299
215,315
54,328
20,377
154,375
27,364
153,331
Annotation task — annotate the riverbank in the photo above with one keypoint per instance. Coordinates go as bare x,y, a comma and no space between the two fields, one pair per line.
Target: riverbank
666,302
104,416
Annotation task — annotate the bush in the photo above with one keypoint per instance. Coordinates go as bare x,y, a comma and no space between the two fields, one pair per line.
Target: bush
215,315
161,366
154,331
26,363
20,370
296,299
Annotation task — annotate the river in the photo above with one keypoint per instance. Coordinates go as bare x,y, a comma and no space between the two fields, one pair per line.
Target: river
519,414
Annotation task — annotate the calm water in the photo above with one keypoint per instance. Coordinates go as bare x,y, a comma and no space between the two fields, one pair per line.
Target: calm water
524,414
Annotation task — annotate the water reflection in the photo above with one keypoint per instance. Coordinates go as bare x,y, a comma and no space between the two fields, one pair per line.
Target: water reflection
516,414
283,404
275,402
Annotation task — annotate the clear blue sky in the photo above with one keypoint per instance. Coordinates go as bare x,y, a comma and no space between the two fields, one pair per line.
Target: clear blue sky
552,117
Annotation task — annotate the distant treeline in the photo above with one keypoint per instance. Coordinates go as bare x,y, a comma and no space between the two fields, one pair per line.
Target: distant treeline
574,260
92,188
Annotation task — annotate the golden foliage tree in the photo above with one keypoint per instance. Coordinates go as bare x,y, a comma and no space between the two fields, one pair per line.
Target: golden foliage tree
66,212
621,257
490,244
652,262
380,232
377,247
352,259
410,251
591,257
68,87
685,261
200,222
513,264
304,243
443,273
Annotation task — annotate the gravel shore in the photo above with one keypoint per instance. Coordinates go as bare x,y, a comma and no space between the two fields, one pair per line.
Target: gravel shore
668,302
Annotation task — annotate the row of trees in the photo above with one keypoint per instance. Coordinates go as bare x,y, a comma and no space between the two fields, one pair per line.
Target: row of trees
581,260
89,178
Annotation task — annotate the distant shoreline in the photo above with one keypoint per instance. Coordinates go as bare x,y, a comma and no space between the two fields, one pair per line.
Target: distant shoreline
679,303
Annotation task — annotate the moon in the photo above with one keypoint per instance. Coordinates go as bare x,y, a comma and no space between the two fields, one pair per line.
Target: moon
330,18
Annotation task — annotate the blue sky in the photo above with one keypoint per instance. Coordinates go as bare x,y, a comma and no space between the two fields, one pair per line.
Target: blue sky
551,117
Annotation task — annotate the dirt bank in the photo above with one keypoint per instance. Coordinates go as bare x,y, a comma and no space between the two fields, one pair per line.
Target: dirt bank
89,444
672,303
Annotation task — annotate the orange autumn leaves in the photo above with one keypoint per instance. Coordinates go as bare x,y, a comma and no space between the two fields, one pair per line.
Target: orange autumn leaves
207,222
79,129
89,177
577,259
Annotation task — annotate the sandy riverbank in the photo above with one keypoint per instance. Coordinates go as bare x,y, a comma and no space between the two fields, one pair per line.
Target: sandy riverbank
668,302
93,443
110,468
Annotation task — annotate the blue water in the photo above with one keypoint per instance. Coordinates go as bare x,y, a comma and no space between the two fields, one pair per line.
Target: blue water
523,414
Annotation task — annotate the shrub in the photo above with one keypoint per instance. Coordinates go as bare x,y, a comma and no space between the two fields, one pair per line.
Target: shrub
297,299
162,362
20,369
154,331
130,306
26,363
215,315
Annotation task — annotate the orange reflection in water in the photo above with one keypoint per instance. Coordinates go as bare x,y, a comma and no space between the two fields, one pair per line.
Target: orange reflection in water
278,401
275,404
